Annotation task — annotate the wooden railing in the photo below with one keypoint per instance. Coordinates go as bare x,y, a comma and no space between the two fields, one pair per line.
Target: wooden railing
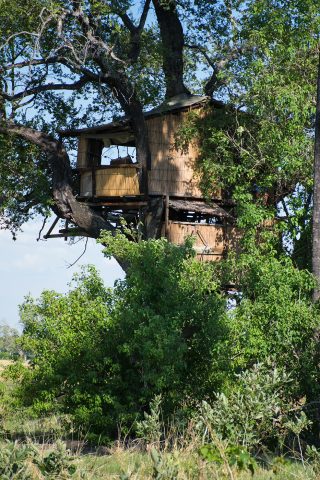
110,181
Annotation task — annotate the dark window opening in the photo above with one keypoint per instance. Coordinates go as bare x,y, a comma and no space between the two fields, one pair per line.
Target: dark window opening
194,217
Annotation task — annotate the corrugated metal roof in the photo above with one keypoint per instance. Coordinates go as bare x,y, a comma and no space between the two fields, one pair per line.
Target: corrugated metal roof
179,102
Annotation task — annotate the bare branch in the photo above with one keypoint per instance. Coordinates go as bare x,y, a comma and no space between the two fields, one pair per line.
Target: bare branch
45,88
42,227
135,32
88,31
144,15
32,34
203,51
217,65
127,22
84,251
30,63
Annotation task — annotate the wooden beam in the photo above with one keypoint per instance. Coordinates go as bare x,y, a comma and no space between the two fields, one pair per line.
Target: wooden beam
118,205
166,216
51,228
68,234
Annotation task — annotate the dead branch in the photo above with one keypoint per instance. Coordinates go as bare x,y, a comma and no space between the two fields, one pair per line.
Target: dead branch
42,227
84,251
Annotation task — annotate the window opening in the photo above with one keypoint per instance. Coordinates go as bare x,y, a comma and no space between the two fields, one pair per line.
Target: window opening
194,217
118,155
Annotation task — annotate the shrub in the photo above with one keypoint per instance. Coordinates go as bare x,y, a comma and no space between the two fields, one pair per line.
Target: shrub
275,317
25,462
256,411
103,355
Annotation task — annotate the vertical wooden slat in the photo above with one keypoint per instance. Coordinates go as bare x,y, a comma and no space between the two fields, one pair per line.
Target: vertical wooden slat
173,171
166,218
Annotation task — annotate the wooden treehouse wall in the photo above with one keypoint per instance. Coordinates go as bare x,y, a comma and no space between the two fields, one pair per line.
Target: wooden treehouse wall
172,170
211,243
173,174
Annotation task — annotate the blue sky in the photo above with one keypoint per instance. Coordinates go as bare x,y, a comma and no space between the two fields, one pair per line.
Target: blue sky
28,266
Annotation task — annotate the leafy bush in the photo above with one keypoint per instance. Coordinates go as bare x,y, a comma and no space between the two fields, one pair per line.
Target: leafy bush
275,318
229,455
164,468
170,320
9,348
151,427
25,462
256,411
103,355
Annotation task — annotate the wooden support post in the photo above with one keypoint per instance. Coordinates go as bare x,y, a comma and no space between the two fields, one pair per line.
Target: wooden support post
166,217
93,173
47,235
66,224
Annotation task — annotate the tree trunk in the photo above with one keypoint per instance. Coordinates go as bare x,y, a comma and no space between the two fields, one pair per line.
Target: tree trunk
125,93
65,204
172,44
316,196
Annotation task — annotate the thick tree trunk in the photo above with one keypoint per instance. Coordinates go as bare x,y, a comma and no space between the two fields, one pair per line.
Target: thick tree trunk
172,43
132,107
316,196
65,204
112,72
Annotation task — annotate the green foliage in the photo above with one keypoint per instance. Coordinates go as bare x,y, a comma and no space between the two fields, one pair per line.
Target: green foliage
234,455
165,337
277,77
9,347
164,468
25,462
173,313
260,150
150,428
31,195
57,463
103,355
13,459
255,412
64,335
275,318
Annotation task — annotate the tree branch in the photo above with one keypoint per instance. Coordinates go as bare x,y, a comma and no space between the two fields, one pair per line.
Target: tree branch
144,15
65,204
172,44
135,31
45,88
88,30
213,82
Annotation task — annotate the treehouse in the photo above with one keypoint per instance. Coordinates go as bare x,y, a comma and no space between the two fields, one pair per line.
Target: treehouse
112,179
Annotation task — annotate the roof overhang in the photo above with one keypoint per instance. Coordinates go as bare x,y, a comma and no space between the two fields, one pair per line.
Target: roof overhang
177,103
200,207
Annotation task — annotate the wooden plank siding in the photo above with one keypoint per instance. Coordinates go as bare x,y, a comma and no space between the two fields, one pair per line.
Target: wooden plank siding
172,170
117,182
212,242
111,182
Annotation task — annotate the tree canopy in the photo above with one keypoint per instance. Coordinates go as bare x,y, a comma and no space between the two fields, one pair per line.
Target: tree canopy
88,61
